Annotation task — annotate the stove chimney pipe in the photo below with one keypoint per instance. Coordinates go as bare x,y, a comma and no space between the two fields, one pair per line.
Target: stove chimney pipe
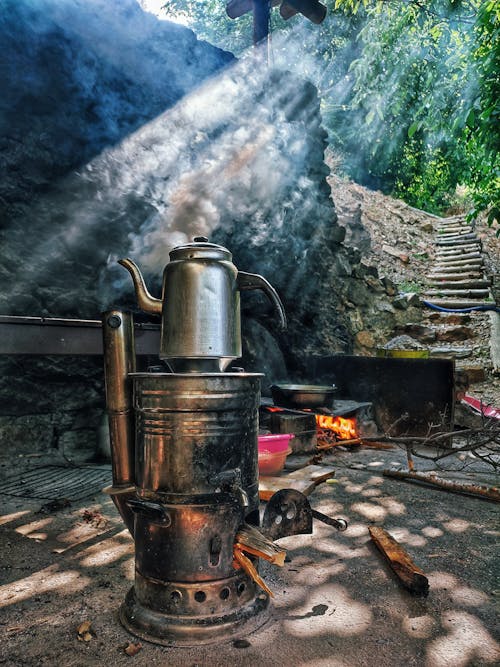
119,361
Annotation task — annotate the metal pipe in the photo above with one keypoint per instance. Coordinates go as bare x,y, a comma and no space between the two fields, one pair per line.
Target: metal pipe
58,336
119,361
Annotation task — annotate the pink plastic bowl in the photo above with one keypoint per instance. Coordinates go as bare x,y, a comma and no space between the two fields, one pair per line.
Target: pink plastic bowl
274,443
271,463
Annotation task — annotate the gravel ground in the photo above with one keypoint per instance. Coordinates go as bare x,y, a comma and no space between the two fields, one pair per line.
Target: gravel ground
336,604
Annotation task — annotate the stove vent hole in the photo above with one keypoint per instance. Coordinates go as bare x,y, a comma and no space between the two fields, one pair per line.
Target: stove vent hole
224,594
215,549
241,588
200,596
175,596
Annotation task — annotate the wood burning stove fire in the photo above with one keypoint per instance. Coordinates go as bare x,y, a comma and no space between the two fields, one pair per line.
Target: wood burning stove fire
184,454
346,420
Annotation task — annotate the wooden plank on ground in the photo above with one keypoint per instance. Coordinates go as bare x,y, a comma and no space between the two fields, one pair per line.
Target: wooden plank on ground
471,275
467,265
452,259
457,241
462,250
315,473
460,284
303,480
411,576
454,231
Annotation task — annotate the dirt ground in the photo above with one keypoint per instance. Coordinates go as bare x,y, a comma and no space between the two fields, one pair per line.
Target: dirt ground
337,604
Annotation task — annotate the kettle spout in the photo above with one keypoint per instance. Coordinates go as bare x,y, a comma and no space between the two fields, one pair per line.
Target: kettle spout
145,301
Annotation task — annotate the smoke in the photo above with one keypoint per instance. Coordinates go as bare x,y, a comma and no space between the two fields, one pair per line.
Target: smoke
215,161
232,156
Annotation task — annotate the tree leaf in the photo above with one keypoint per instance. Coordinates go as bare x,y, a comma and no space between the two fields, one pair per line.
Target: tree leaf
413,128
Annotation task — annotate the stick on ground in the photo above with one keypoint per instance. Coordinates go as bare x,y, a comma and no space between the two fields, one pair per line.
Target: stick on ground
411,576
488,492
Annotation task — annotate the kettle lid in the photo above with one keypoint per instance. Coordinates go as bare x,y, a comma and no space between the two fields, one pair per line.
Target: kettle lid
200,248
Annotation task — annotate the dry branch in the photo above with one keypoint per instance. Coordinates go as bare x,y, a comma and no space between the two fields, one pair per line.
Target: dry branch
488,492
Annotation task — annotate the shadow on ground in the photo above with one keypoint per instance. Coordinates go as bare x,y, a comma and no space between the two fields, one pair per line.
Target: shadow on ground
336,603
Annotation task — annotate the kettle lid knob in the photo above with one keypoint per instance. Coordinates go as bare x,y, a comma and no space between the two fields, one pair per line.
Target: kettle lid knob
200,239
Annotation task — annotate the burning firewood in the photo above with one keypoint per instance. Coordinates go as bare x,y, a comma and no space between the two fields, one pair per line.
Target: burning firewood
411,576
252,541
331,441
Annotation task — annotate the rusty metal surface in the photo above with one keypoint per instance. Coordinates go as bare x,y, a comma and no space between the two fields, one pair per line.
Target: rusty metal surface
190,542
192,427
49,335
181,614
287,513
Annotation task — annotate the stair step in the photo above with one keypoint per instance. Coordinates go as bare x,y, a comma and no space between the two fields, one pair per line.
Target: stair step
458,284
457,275
463,269
464,240
460,250
455,233
466,293
458,258
459,229
459,303
439,318
453,220
464,259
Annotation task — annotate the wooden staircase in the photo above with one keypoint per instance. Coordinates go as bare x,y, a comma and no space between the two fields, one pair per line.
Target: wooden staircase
457,279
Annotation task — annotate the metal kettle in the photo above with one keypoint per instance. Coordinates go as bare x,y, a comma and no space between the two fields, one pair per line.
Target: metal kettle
200,306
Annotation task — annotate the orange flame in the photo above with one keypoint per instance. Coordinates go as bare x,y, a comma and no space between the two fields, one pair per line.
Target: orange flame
271,409
345,429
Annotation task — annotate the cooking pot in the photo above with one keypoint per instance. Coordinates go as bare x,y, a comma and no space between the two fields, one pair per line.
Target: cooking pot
200,306
303,395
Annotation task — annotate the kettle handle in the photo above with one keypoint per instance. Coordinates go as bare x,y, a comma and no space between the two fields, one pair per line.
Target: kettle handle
248,281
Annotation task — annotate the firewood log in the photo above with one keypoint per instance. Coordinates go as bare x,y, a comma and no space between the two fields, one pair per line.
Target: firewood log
411,576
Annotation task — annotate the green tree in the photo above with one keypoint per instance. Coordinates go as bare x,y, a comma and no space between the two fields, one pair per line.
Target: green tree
409,89
421,113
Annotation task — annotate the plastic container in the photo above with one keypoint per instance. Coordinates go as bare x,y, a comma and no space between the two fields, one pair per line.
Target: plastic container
271,463
275,442
273,450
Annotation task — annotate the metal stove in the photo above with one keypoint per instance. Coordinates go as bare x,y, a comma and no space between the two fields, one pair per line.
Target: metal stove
184,452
